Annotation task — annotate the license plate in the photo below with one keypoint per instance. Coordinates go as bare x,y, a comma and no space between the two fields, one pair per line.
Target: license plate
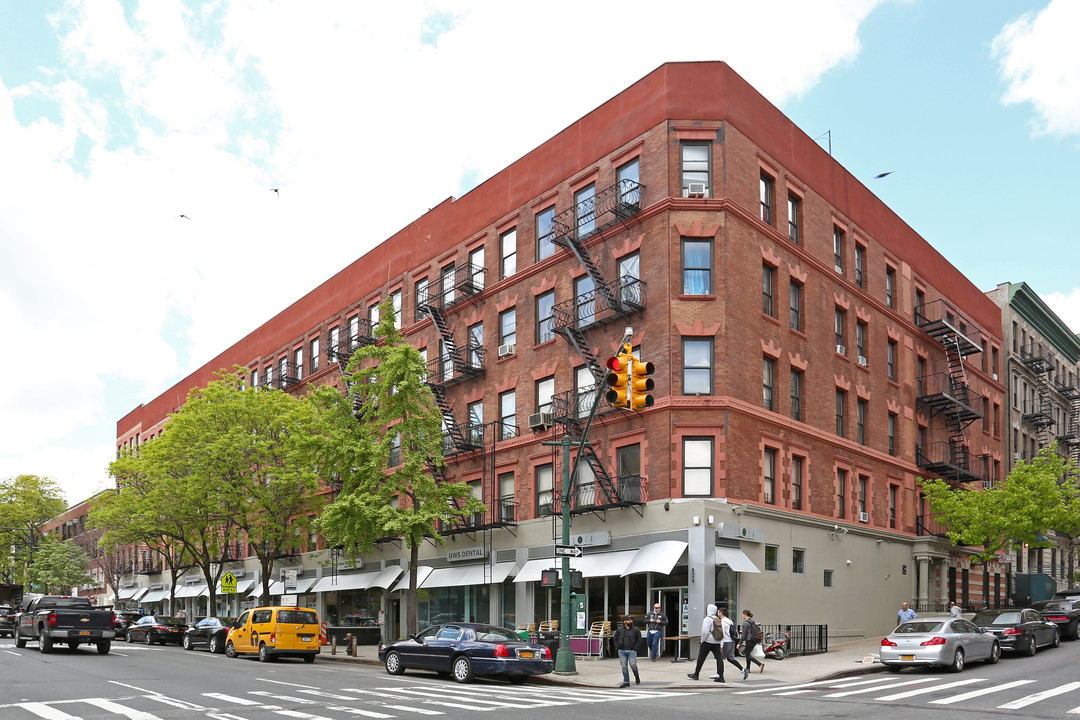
84,632
907,657
525,654
305,638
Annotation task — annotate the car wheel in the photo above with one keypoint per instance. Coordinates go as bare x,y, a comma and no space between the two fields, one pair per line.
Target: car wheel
957,661
462,669
1057,638
309,659
127,636
146,638
894,668
230,651
103,647
186,643
1074,631
995,653
215,645
20,641
393,663
44,644
518,679
1032,647
264,653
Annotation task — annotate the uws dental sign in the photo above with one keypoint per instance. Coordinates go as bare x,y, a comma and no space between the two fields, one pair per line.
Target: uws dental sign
467,554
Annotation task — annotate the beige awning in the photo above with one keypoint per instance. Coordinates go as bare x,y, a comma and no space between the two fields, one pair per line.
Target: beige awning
658,557
735,559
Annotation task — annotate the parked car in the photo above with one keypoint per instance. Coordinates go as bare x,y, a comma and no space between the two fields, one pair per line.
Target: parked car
1019,629
1065,613
122,619
273,632
152,629
466,650
209,631
937,642
7,621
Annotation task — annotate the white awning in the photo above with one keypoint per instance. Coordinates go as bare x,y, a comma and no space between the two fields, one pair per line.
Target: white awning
132,593
192,591
422,571
475,574
735,559
530,571
386,576
658,557
278,587
598,565
445,577
351,581
242,586
155,596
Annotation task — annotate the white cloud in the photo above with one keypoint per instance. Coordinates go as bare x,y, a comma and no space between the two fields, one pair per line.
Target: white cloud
1038,60
364,116
1066,305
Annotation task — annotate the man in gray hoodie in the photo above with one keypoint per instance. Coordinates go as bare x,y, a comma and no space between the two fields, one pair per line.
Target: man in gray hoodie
710,643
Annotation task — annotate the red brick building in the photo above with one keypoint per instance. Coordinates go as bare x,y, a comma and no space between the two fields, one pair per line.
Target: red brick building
814,355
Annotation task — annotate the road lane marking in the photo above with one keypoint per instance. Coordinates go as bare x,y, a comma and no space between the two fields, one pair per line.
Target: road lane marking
327,695
422,711
231,698
978,693
282,682
182,704
118,709
45,711
925,690
287,698
370,713
862,691
813,686
1036,697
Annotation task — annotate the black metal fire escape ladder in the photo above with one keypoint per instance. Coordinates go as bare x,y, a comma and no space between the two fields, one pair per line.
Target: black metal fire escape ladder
1042,414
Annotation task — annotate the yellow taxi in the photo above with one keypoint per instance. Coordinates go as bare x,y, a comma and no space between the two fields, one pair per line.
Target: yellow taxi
273,632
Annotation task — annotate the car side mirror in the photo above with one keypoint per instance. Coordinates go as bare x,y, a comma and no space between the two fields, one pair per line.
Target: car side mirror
412,636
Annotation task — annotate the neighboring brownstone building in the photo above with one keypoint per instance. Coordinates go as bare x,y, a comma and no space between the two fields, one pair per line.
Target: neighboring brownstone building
814,355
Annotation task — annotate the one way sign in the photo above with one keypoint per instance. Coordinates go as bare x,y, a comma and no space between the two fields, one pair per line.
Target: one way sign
568,551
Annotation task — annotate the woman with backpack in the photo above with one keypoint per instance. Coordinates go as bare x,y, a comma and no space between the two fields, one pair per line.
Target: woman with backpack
751,636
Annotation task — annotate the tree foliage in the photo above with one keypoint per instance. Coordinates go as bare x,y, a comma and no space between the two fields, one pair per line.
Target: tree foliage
26,503
388,411
1036,497
58,567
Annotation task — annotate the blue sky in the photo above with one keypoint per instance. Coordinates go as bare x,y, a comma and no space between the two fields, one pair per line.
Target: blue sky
118,117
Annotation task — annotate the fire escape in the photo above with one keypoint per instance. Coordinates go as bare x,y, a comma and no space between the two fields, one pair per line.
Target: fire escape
947,394
1070,437
607,302
1039,362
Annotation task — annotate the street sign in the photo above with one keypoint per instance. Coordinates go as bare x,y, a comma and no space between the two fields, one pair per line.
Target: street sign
568,551
228,584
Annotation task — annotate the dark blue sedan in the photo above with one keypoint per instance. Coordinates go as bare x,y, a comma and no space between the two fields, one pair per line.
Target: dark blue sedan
466,650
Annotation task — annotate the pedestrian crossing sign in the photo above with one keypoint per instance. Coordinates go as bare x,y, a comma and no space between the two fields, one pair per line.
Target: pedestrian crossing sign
228,584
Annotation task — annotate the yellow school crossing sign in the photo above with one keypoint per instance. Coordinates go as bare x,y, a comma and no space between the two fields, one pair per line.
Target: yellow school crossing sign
228,584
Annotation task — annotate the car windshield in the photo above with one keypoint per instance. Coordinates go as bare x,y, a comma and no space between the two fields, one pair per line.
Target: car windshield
300,617
910,628
486,633
1052,605
996,618
161,620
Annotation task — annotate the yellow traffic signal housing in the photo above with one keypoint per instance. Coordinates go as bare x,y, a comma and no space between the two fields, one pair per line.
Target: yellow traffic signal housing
618,377
641,385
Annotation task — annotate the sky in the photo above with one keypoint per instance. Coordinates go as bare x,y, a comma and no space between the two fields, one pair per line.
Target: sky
140,141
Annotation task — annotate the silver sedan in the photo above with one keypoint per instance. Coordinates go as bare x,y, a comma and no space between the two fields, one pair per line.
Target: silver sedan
937,642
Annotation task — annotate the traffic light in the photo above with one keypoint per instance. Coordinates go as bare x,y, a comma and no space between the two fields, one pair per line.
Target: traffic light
640,385
618,377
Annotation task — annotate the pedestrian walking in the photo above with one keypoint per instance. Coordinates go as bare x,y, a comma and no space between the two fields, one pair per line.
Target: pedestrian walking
627,639
711,635
655,622
905,613
751,636
954,609
730,640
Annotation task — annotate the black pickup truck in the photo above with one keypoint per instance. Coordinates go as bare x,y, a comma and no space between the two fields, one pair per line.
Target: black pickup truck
62,619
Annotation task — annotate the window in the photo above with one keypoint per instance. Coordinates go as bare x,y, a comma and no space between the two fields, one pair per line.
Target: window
475,334
798,561
695,167
475,411
768,377
796,394
421,299
860,265
508,327
798,464
892,506
891,359
628,466
697,267
841,493
768,283
283,370
838,250
544,490
585,210
860,420
769,473
446,360
506,497
508,253
765,191
298,362
373,316
314,346
997,420
838,321
508,415
697,366
860,342
841,398
354,333
628,177
892,433
828,578
333,341
476,269
545,317
630,290
920,302
584,390
772,558
697,466
863,481
794,216
890,287
584,300
395,301
254,379
448,280
395,451
795,305
545,233
545,393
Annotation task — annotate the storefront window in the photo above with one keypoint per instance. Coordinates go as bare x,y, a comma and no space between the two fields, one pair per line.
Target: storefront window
342,604
508,605
725,588
470,603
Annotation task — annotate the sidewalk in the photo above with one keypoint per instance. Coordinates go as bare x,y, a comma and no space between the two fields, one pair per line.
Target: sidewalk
843,659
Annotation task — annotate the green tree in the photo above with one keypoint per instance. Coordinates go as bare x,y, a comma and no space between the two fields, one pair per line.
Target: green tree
26,503
58,567
1036,497
389,411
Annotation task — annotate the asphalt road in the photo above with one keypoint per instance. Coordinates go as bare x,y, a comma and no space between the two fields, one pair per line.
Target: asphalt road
159,683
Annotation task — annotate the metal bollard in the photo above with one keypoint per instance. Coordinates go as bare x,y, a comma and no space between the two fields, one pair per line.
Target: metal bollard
352,644
333,644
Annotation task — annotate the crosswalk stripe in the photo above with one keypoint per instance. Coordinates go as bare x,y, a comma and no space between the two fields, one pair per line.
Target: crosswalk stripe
365,713
1036,697
393,694
422,711
286,698
182,704
46,711
301,715
326,695
232,699
439,697
813,685
118,709
533,701
926,690
862,691
978,693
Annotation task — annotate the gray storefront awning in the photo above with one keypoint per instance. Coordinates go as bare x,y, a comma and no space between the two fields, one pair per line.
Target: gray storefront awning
387,576
131,593
735,559
155,596
303,585
658,557
422,572
189,591
351,581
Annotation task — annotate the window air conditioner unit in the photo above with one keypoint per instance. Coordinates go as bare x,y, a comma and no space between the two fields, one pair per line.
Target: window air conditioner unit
841,350
695,190
507,349
543,510
540,421
862,360
864,517
1016,456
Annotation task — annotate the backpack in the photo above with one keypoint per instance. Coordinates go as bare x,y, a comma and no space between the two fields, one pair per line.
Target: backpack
717,629
755,633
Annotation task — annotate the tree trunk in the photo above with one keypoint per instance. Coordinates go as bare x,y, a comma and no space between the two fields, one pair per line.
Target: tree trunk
410,594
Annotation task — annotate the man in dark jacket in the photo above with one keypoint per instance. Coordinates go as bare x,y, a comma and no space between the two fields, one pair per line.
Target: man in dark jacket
627,639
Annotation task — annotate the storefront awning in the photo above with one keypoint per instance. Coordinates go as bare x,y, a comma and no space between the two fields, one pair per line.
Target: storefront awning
735,559
242,586
444,577
351,581
598,565
476,574
192,591
658,557
155,596
422,571
132,593
303,585
386,577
